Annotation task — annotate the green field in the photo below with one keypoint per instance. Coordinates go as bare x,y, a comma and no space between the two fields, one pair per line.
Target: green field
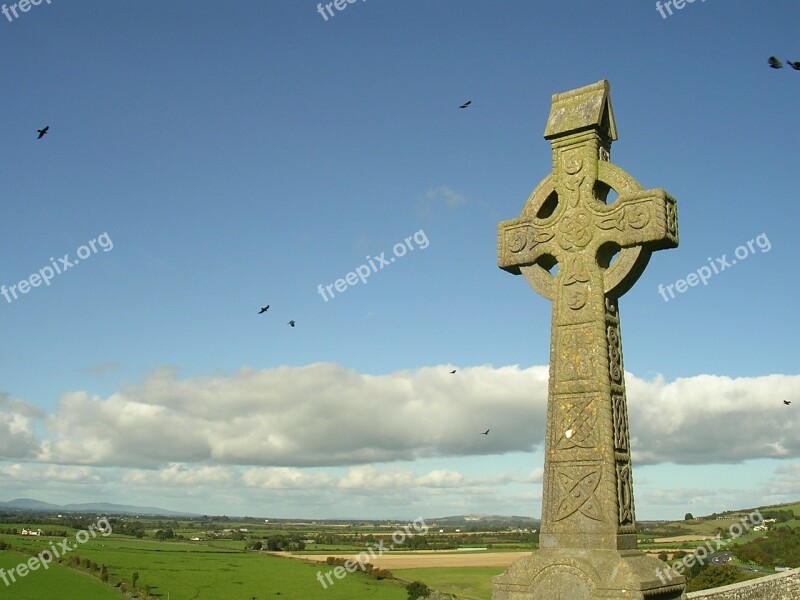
473,582
55,582
182,571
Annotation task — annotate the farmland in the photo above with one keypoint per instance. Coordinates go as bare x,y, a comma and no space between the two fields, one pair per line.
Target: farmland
217,557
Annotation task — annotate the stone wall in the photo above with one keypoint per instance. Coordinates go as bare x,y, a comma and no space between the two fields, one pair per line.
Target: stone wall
782,586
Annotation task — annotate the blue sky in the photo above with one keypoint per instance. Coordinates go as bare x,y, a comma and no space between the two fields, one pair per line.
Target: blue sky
242,154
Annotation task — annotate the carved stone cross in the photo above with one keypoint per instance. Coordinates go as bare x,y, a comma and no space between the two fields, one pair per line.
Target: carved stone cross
583,254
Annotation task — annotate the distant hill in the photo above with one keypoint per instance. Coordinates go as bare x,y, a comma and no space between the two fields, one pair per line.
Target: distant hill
735,514
29,504
479,520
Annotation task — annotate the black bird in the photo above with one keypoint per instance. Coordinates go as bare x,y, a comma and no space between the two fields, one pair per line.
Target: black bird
787,402
466,104
775,63
42,132
795,65
291,323
485,432
264,309
453,371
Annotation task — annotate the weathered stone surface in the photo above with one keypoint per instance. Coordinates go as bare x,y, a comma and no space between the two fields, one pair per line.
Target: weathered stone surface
573,574
783,586
588,536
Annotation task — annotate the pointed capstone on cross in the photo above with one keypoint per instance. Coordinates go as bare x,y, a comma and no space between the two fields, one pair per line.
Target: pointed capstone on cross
583,253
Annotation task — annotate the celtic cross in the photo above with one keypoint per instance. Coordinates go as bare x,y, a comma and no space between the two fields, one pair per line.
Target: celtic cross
583,253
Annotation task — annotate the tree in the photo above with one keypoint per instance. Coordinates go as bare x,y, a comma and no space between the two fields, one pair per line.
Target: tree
781,548
688,517
417,590
275,543
134,578
716,576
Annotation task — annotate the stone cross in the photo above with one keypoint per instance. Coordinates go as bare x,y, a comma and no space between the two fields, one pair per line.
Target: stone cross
582,253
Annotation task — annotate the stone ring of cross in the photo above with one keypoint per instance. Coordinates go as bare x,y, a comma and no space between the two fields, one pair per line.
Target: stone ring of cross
630,263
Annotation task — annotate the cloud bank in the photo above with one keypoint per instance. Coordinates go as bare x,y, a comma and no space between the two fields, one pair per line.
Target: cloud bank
324,415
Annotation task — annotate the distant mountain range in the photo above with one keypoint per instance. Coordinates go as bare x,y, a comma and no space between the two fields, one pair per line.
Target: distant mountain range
90,507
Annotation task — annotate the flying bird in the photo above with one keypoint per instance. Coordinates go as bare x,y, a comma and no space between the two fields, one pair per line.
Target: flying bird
42,132
775,63
466,104
795,65
485,432
453,371
787,402
264,309
291,323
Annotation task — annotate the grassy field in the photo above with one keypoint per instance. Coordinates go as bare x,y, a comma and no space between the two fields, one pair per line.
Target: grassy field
181,571
473,582
55,582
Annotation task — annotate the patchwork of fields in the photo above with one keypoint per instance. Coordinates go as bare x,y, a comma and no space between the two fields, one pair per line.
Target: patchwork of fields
216,567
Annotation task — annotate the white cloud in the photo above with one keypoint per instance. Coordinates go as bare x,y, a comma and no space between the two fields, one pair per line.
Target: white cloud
440,195
17,435
182,475
787,482
324,415
50,473
709,419
450,197
319,415
441,478
283,478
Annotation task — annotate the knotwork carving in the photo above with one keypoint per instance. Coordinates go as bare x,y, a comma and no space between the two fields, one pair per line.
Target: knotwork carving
620,416
614,353
625,494
577,486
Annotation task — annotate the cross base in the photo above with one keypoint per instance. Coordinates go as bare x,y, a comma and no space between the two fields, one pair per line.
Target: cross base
570,574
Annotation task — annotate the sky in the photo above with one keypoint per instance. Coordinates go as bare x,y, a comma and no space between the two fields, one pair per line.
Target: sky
206,159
